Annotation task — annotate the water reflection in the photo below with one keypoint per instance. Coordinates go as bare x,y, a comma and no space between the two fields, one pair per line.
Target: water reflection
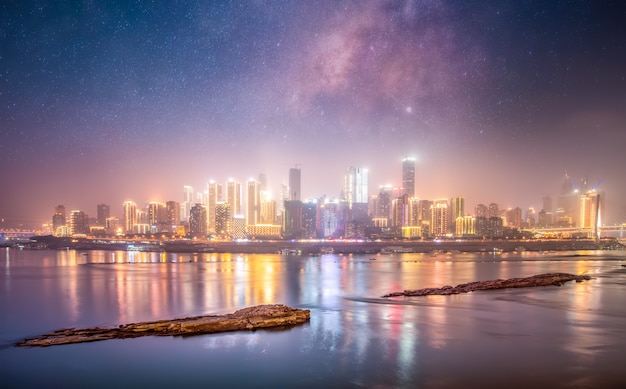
353,332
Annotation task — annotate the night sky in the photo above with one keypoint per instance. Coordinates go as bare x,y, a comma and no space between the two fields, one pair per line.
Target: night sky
107,101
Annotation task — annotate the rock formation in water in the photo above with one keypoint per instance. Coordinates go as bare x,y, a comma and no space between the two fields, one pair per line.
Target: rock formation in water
262,316
545,279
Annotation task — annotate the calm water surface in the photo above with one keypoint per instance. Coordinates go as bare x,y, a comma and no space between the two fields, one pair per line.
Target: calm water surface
568,336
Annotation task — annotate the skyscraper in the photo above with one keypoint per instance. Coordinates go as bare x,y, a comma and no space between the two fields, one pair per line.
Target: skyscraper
457,210
104,212
253,202
79,223
129,217
439,217
222,219
197,221
233,197
188,201
294,184
408,176
213,197
173,215
58,219
355,185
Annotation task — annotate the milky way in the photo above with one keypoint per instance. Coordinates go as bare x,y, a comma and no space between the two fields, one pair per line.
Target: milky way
104,102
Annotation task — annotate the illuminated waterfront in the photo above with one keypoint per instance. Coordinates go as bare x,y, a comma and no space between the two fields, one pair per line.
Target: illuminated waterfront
562,336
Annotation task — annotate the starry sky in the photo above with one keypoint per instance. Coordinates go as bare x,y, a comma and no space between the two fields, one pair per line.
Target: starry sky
108,101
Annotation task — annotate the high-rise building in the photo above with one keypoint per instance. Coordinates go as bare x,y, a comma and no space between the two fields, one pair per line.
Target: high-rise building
173,215
493,210
222,219
309,219
103,212
157,217
400,211
233,197
292,220
187,203
58,220
383,204
214,196
514,217
355,185
481,210
457,209
591,204
79,222
253,202
408,176
129,217
197,221
439,217
465,226
294,184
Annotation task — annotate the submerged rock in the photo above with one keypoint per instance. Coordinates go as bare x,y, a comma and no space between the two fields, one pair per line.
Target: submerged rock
546,279
261,316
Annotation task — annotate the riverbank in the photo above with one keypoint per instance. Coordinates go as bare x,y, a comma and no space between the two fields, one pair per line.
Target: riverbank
326,247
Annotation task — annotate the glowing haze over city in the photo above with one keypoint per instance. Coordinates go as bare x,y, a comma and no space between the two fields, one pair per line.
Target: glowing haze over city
104,102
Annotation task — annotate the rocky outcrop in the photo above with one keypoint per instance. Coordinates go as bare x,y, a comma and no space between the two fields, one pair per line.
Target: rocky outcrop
261,316
545,279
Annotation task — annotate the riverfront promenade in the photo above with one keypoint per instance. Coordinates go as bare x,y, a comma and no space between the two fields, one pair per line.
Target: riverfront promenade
321,247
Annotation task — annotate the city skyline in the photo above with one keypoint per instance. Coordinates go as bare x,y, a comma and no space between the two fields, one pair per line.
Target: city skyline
100,103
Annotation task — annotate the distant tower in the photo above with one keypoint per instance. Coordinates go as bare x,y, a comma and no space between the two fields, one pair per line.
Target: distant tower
356,185
408,176
294,184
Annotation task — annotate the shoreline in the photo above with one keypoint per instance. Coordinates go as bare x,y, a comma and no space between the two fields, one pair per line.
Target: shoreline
323,247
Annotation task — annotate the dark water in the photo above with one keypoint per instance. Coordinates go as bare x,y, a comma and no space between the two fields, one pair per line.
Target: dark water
568,336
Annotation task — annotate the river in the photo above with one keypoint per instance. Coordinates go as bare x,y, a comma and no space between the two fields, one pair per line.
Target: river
568,336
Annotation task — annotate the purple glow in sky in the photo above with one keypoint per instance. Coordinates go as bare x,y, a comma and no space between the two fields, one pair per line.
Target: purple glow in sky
105,102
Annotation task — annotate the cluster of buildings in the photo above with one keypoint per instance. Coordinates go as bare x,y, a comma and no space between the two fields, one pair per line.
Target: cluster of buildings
246,211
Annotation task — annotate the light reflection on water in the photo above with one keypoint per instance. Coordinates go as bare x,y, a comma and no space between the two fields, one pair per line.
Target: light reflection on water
569,335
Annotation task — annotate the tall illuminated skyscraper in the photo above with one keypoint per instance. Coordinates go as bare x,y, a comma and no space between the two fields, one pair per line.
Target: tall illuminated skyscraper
187,203
58,219
79,222
173,215
197,221
457,210
222,219
233,197
294,184
214,196
129,217
408,176
355,185
439,217
253,202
